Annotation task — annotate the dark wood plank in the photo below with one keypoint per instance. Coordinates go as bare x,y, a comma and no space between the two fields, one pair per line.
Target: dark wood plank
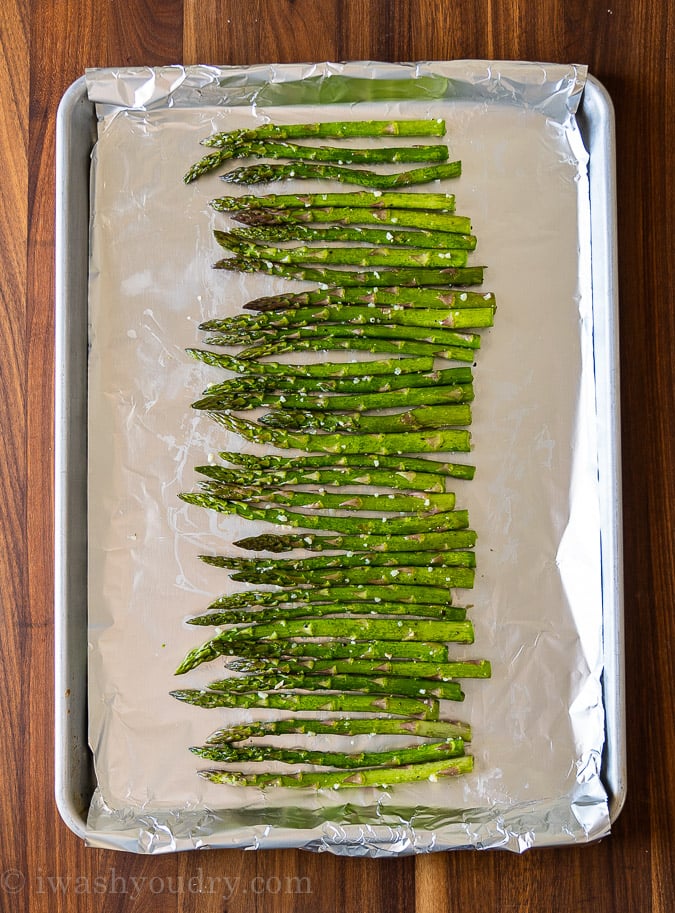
65,38
627,45
14,88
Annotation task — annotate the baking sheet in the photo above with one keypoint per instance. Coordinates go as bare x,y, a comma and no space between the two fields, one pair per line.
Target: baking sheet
538,724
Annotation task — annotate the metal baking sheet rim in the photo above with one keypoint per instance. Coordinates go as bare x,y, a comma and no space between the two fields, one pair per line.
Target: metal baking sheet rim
75,137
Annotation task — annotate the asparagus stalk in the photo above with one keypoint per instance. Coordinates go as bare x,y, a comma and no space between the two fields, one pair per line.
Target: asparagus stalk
395,366
322,500
445,299
373,443
375,777
445,416
323,343
448,558
442,220
251,385
325,332
438,202
335,649
334,313
265,173
354,525
341,155
414,276
392,685
420,669
427,542
292,701
316,610
416,595
413,629
461,577
424,729
330,129
317,461
344,256
380,237
421,753
363,402
415,481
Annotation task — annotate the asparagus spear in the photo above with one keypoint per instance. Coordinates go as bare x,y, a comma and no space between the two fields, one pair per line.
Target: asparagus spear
419,276
280,700
415,481
405,297
424,752
398,315
341,155
316,610
413,668
317,461
395,366
391,685
343,726
462,577
380,237
364,402
411,420
251,385
449,558
354,525
416,595
330,129
439,202
325,333
427,542
334,649
358,629
341,215
324,343
376,777
372,443
321,500
264,173
344,256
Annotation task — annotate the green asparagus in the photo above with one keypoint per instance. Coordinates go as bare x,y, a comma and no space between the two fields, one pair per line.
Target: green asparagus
394,297
427,542
438,202
344,256
434,441
364,460
280,700
322,500
316,610
265,173
380,237
413,276
413,668
382,777
346,726
423,752
391,685
442,219
335,649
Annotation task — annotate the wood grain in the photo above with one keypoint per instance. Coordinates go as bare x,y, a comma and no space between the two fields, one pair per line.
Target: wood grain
629,46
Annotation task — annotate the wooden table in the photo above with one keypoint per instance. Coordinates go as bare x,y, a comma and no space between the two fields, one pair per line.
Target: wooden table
46,44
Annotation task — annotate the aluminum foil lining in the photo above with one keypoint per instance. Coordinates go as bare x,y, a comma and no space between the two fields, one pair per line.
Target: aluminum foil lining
539,722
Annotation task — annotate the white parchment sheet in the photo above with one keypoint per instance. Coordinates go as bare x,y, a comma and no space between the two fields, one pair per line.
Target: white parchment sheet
538,723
